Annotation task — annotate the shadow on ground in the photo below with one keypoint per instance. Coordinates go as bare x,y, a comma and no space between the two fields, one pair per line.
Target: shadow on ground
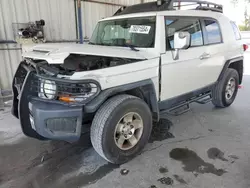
33,164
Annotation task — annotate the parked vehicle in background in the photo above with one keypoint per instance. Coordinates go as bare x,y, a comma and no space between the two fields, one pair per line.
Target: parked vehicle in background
145,59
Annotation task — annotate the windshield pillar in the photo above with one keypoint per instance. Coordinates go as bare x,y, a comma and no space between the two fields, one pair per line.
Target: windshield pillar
160,35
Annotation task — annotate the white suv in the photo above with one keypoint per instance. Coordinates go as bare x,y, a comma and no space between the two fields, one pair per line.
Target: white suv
145,59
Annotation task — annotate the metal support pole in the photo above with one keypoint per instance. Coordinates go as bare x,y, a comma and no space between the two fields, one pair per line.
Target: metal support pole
1,100
80,21
76,20
7,42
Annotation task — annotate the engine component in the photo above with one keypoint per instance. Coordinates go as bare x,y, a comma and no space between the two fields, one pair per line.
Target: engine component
80,63
32,30
86,62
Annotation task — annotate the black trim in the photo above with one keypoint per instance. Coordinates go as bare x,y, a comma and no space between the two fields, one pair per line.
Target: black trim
14,109
227,64
23,109
166,5
144,7
160,77
175,101
146,87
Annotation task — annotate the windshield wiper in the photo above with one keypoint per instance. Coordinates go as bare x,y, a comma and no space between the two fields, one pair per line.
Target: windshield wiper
132,47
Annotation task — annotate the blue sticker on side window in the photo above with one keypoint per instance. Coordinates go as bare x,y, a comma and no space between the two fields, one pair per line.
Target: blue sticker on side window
168,22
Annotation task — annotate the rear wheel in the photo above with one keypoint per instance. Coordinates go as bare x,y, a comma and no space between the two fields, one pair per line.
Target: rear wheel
226,89
121,128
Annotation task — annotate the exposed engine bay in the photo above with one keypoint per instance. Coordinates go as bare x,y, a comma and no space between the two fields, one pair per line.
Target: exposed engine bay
78,63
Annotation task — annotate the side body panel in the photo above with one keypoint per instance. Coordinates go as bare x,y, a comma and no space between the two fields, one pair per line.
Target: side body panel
190,72
124,74
184,75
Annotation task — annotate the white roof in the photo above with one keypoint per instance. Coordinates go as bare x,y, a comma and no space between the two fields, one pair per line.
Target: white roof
196,13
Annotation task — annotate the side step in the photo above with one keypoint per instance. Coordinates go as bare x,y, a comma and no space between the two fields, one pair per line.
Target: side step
180,109
184,106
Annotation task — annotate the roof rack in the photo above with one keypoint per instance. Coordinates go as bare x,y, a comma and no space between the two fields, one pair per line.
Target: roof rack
163,5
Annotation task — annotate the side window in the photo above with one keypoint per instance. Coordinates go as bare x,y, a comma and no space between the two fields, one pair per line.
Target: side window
236,31
213,32
191,25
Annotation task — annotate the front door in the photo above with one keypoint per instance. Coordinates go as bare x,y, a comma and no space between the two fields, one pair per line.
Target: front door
191,71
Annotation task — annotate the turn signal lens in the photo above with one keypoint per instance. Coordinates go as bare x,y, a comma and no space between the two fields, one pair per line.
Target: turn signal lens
69,99
66,99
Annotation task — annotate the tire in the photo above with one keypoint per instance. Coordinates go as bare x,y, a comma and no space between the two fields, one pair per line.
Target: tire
219,92
103,130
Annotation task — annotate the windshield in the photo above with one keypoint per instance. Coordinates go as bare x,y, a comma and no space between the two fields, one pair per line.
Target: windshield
128,32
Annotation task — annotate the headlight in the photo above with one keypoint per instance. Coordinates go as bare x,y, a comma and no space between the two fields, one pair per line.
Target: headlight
66,91
48,89
82,93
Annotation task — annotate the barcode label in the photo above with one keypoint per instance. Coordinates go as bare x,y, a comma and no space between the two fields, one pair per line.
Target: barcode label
142,29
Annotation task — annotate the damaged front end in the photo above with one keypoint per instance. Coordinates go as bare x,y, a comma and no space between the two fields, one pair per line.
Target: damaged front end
50,106
53,84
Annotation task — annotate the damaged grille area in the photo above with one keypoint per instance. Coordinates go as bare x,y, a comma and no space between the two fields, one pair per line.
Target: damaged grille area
45,85
64,90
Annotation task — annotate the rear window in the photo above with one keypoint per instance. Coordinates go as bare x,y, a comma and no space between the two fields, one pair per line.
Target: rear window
213,32
236,31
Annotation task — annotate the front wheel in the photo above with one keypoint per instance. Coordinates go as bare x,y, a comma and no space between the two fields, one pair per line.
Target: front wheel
226,89
121,128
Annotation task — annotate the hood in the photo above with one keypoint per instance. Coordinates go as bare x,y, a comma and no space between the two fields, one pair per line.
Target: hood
57,53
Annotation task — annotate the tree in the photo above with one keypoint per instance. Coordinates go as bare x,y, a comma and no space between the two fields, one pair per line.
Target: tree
246,23
234,2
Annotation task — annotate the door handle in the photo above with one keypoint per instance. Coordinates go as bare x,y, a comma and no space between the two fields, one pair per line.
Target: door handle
205,56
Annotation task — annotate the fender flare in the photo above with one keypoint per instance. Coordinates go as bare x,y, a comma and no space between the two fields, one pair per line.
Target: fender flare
146,87
227,64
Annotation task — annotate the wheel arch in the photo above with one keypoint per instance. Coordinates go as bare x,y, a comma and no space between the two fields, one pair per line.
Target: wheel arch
235,63
143,89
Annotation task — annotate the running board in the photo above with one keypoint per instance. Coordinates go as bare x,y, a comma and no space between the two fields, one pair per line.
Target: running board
179,110
184,107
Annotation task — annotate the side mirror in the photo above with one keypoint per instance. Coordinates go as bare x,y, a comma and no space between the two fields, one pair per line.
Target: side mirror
182,40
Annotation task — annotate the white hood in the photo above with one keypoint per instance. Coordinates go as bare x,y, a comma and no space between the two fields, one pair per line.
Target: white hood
57,53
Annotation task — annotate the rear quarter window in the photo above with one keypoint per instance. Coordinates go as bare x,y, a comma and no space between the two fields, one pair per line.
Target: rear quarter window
236,31
212,31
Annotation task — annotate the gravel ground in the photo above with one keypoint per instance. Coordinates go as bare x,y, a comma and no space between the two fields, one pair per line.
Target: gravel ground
204,148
